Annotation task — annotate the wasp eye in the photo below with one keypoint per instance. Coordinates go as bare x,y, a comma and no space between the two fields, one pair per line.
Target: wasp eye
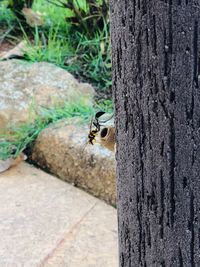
104,132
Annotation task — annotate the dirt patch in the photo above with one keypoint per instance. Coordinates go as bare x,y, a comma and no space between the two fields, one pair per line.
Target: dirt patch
6,46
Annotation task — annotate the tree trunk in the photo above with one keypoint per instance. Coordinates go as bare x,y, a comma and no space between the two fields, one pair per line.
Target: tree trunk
156,90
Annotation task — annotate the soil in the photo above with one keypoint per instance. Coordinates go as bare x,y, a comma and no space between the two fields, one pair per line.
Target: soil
6,46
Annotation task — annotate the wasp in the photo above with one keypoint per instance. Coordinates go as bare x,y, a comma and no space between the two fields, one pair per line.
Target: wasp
97,124
93,132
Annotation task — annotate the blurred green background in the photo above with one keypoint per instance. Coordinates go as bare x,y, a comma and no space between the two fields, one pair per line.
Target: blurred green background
72,34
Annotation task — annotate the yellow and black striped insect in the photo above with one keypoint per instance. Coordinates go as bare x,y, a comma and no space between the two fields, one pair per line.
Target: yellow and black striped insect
93,132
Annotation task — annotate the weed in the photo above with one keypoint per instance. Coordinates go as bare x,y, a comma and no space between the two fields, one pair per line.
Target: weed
86,15
53,15
88,33
93,56
51,48
6,16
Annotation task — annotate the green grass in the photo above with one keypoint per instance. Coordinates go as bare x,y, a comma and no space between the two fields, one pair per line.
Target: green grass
49,47
95,58
88,57
6,16
24,135
53,15
105,105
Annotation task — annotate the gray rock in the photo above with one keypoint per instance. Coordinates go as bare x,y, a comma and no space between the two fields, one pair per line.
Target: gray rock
37,84
62,150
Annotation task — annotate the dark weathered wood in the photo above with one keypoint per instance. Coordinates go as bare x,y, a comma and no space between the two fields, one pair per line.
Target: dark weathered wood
156,90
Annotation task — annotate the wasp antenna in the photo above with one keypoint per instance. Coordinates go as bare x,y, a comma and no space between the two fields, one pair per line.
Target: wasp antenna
96,124
91,122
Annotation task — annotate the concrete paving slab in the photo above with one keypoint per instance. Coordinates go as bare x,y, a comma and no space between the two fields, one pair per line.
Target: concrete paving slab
45,222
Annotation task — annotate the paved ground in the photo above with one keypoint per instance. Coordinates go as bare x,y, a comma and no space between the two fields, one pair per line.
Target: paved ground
47,222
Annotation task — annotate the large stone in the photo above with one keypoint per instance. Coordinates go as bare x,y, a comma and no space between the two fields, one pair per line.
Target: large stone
62,150
24,84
